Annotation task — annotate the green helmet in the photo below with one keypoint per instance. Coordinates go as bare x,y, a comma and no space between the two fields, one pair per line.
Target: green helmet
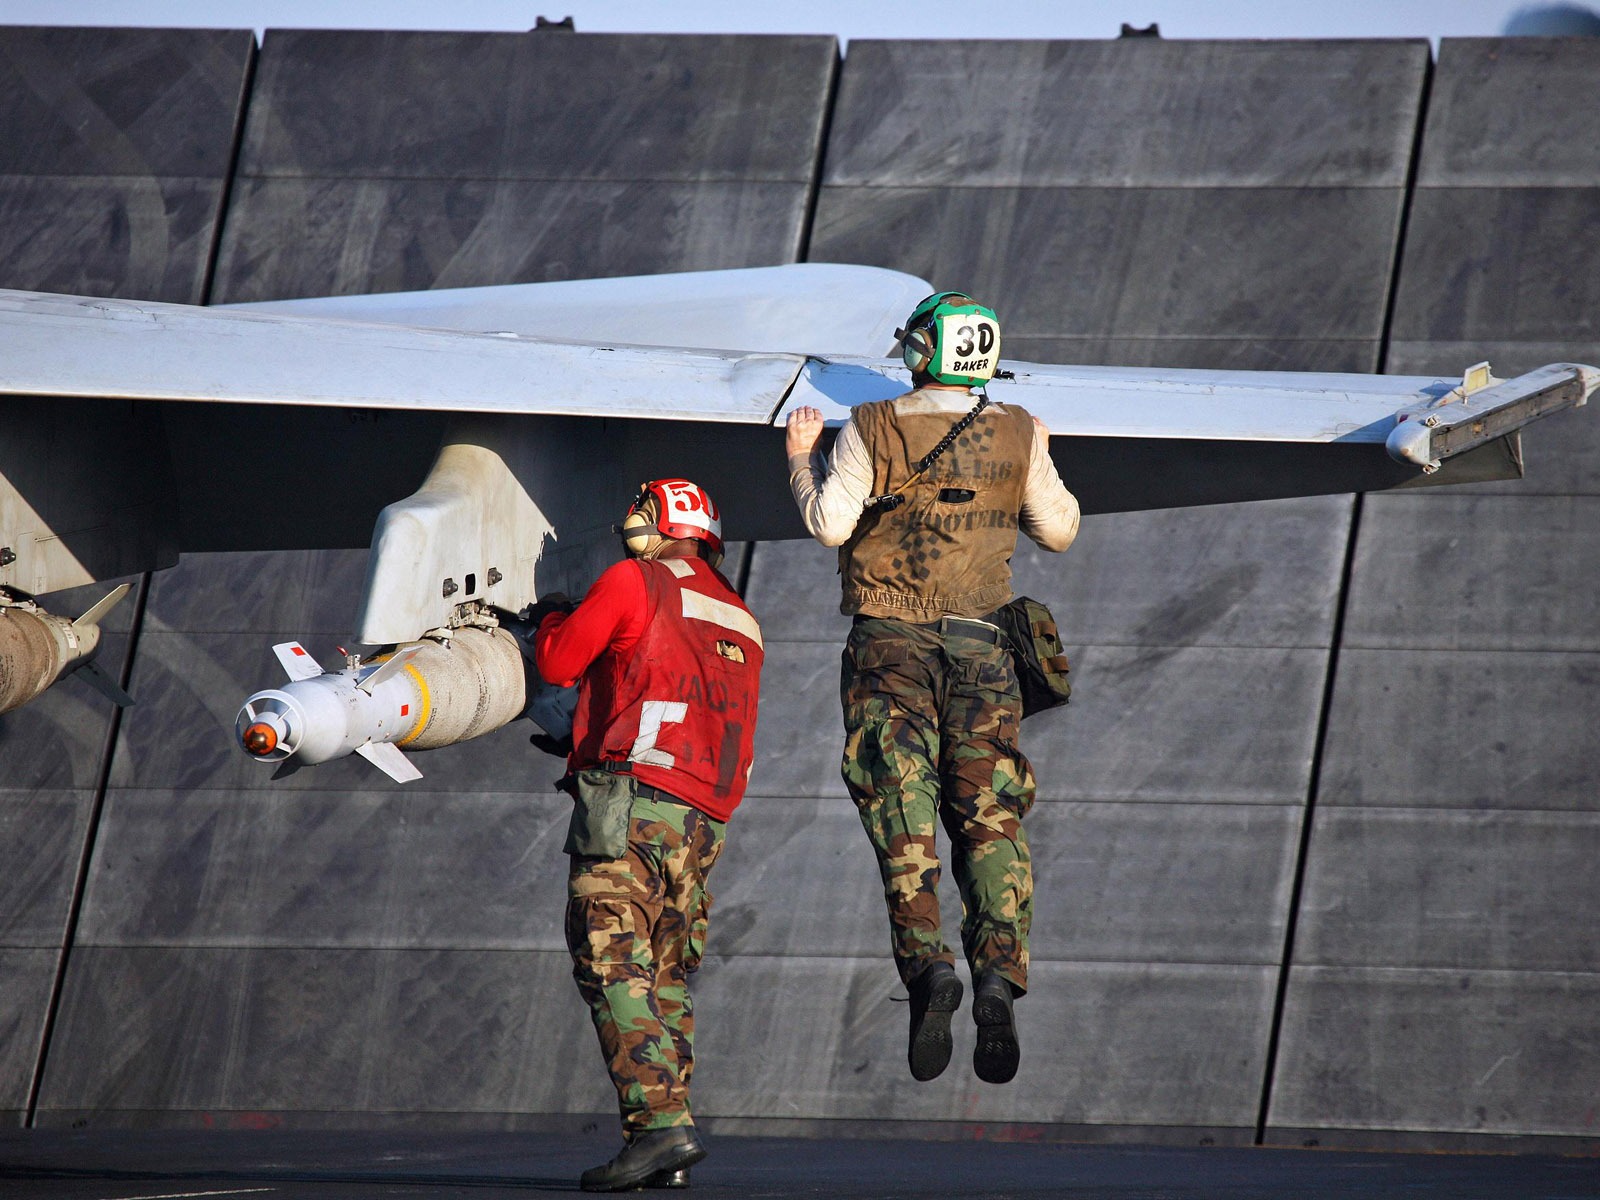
952,339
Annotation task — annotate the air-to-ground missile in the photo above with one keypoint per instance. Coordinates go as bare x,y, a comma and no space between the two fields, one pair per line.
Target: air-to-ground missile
37,648
423,695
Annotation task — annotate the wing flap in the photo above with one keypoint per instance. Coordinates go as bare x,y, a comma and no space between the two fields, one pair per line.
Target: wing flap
1155,402
1243,406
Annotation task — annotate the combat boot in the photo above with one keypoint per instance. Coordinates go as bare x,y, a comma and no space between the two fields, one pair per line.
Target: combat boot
648,1154
935,994
995,1057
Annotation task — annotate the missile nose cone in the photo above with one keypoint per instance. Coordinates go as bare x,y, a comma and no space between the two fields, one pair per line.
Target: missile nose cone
260,739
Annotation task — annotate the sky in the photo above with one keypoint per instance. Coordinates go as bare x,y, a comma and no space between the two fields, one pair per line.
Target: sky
845,18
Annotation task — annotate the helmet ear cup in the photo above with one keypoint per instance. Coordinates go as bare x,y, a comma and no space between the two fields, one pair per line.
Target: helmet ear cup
917,350
667,512
973,331
640,537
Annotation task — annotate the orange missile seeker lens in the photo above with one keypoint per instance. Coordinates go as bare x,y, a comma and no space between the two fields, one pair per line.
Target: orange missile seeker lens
260,739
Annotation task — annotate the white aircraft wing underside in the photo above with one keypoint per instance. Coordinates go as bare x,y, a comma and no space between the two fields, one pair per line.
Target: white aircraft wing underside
78,346
1145,402
137,350
800,308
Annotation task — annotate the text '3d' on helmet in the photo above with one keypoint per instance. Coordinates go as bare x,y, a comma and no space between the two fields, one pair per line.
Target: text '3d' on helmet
672,510
952,339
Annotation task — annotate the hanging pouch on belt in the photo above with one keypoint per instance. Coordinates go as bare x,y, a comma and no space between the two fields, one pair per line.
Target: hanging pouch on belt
1036,653
602,810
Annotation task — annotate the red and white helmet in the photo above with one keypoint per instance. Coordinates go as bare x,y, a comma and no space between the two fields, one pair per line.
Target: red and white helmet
671,510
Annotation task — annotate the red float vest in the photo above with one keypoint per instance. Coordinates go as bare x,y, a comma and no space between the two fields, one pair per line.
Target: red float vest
679,710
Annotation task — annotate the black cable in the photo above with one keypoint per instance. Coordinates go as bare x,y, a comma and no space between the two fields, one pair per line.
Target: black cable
890,501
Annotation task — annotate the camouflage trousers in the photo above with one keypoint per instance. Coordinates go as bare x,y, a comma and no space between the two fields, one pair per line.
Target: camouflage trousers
931,718
636,928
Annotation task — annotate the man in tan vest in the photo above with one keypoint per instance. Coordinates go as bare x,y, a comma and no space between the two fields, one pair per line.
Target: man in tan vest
924,495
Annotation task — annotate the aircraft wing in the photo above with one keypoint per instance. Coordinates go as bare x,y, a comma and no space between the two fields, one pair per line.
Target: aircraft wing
1420,420
137,429
482,441
278,355
137,350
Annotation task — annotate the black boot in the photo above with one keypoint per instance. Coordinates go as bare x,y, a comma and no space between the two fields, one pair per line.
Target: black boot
651,1153
669,1179
995,1057
935,994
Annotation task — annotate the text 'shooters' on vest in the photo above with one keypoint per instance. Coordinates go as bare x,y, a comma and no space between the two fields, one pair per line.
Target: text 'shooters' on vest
680,708
947,549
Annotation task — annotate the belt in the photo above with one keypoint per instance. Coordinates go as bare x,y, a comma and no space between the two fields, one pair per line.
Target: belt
968,627
640,788
959,626
647,792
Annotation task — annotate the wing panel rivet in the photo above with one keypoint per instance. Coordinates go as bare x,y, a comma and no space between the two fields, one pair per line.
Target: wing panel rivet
450,588
7,556
494,576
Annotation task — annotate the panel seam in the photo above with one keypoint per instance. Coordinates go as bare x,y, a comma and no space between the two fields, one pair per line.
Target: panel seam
80,883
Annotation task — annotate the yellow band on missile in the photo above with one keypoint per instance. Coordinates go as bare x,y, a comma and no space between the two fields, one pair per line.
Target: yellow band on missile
426,703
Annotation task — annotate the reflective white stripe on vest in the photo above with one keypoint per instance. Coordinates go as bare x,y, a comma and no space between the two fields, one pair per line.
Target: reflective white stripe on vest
698,606
681,567
652,717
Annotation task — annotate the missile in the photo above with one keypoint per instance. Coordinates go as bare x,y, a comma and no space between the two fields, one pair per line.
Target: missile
423,695
37,648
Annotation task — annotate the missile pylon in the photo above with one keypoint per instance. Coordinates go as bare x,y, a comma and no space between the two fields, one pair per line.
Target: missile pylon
37,648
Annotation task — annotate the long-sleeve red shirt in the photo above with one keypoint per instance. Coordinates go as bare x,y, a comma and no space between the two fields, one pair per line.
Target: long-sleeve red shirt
612,616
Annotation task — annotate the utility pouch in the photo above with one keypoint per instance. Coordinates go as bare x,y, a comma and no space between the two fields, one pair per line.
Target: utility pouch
1036,653
602,810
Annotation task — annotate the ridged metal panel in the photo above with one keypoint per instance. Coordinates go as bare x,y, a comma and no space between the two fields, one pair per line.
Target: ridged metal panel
185,1028
331,942
1469,729
1194,204
253,975
1169,203
1125,113
1453,1051
1102,1042
27,977
1445,965
116,155
395,161
113,164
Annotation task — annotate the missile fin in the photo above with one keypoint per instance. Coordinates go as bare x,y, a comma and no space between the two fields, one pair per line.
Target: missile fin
91,674
110,601
389,759
387,669
297,660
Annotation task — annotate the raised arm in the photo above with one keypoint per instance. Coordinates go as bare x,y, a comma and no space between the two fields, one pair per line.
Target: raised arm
830,496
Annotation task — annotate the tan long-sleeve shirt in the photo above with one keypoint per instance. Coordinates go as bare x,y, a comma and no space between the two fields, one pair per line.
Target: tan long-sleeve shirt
832,495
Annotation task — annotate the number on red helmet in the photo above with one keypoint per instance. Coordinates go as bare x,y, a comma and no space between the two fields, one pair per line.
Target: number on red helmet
685,510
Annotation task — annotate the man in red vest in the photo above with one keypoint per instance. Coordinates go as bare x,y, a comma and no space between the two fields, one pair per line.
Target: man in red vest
667,660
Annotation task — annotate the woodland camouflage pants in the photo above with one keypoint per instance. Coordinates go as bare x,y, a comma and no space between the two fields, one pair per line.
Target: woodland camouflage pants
636,927
931,717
